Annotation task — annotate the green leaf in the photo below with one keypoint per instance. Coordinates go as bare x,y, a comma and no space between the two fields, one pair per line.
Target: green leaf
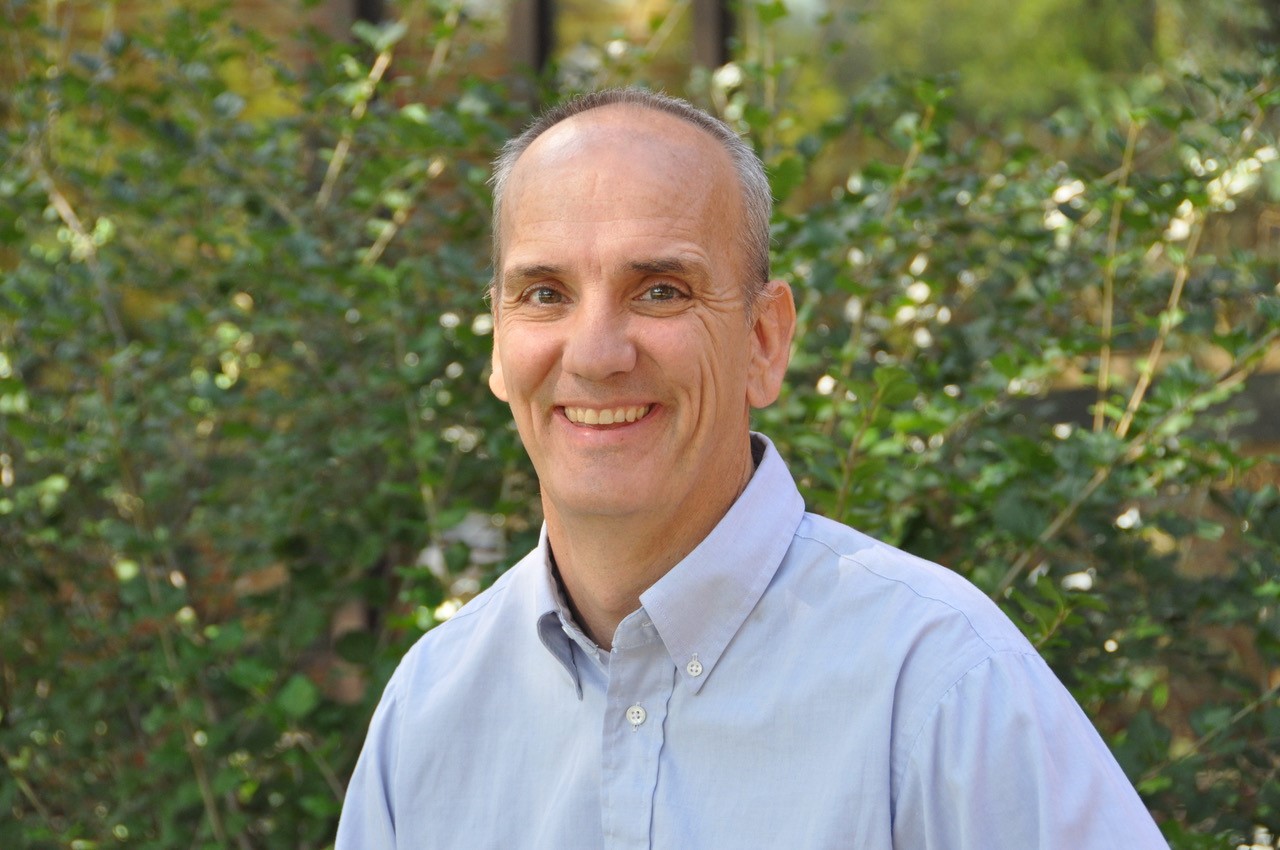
1018,515
1154,785
1209,530
251,674
417,113
1269,589
298,697
380,36
894,385
1211,718
320,806
769,13
357,646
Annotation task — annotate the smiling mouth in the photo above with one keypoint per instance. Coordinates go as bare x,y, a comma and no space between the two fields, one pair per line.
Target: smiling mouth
606,416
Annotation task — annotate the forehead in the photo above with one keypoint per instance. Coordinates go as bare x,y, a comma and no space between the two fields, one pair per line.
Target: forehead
662,136
630,166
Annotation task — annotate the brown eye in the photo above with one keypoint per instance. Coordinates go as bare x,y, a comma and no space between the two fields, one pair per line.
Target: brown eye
543,295
660,292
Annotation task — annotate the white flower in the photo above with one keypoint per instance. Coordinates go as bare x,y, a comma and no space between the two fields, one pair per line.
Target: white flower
1068,191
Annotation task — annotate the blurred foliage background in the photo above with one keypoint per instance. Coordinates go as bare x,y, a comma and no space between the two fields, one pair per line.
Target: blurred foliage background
248,455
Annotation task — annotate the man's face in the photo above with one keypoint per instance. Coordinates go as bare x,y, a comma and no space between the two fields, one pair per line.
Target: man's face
623,340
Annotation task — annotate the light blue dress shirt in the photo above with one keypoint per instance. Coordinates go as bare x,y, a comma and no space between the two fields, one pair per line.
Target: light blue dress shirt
792,684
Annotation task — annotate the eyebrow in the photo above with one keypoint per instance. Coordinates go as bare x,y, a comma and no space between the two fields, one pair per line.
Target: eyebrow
662,265
533,271
658,265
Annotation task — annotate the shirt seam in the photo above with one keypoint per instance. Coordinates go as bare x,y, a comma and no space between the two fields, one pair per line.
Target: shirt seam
990,654
937,705
976,632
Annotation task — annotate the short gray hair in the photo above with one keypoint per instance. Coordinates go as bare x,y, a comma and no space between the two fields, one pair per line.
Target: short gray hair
757,200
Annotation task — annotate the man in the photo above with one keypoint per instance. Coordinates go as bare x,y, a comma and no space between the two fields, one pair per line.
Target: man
688,659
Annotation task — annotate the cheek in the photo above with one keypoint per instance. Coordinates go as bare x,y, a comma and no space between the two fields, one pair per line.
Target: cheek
708,365
525,358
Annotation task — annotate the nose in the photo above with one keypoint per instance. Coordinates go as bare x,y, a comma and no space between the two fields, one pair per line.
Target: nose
598,344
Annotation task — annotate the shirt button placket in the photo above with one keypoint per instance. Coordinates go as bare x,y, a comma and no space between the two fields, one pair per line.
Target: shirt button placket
641,679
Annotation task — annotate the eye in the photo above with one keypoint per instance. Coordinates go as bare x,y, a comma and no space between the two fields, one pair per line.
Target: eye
660,292
543,295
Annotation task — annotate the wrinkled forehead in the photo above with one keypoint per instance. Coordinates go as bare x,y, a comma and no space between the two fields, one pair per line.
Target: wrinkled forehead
679,158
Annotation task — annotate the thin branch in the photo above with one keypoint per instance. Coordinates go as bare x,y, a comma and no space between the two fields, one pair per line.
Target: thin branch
271,198
1109,276
1200,742
846,373
146,526
388,233
343,147
846,469
663,32
1059,620
1175,293
1051,530
895,195
330,777
440,53
1161,146
1166,327
27,791
1235,374
913,153
412,424
84,241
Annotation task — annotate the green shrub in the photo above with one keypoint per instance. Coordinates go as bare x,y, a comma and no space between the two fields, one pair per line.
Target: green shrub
248,454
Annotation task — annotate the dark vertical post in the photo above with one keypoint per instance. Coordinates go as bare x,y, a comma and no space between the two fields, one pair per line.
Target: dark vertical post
532,34
372,11
712,27
1271,10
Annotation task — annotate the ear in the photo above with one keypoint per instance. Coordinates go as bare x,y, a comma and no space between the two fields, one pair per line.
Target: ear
497,384
771,332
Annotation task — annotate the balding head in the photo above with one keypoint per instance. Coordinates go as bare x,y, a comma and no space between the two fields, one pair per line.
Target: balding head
755,203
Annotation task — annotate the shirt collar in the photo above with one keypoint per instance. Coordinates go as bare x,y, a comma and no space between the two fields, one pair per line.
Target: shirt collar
556,627
700,604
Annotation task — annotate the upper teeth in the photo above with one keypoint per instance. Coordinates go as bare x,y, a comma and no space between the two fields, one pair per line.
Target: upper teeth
591,416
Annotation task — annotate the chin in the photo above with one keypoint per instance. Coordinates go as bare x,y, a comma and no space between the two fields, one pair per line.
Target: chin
617,499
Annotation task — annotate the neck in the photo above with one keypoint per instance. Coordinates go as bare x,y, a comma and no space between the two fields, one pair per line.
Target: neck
606,562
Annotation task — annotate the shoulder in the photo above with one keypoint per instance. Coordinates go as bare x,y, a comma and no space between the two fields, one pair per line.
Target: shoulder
421,727
919,594
915,630
470,636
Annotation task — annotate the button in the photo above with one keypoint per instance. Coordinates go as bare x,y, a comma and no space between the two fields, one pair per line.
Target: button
694,667
636,715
